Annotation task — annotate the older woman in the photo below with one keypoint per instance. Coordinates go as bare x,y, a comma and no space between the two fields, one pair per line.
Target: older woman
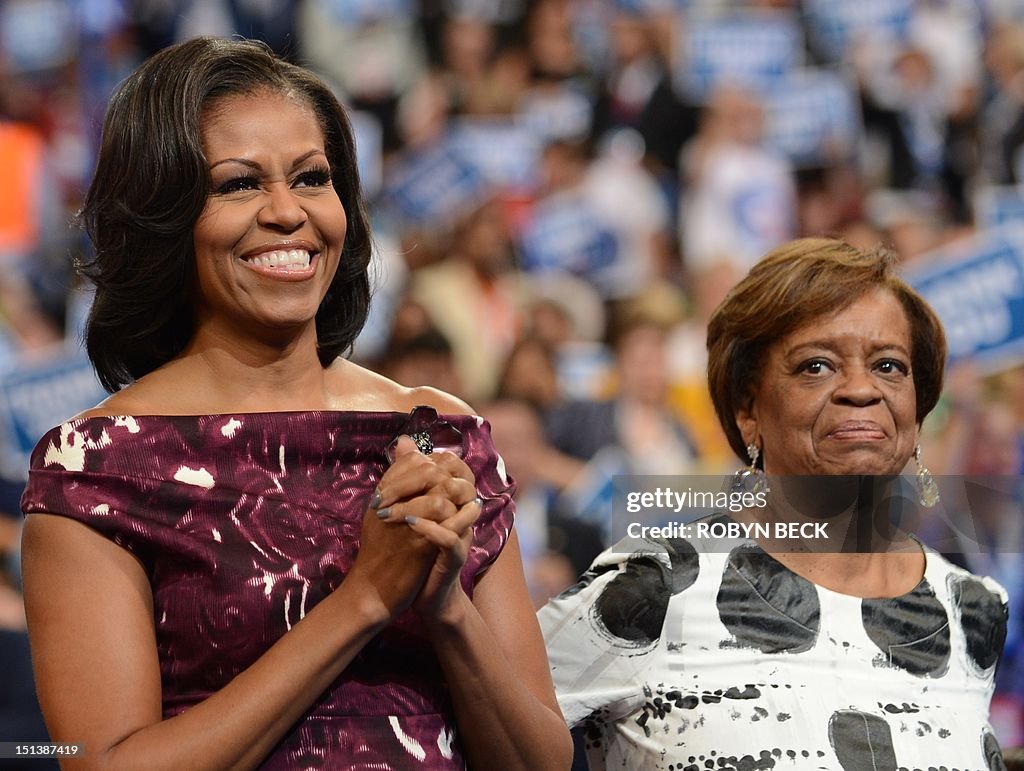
744,654
251,554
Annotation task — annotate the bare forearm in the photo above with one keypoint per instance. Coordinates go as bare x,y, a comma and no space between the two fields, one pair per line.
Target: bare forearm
502,724
237,727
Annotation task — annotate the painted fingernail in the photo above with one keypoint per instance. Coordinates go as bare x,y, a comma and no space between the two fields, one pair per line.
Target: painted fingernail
384,513
376,499
412,520
479,501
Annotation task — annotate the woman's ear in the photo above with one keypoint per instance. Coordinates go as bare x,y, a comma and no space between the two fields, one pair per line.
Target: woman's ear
747,422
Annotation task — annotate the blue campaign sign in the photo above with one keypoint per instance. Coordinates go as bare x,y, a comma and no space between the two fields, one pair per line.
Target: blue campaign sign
562,112
977,288
565,234
998,205
755,50
37,395
812,117
505,151
435,185
836,24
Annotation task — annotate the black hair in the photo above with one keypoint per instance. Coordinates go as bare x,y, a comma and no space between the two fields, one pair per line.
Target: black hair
151,184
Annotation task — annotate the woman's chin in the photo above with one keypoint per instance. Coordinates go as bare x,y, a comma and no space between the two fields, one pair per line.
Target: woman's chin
866,464
854,461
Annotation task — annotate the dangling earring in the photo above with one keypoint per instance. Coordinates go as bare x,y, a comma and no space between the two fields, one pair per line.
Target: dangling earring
751,479
927,489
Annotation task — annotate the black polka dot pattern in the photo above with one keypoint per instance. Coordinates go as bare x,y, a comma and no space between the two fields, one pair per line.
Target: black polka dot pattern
632,607
911,631
983,618
861,741
765,606
685,565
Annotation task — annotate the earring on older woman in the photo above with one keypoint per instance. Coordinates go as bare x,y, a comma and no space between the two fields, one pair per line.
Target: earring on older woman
927,489
751,479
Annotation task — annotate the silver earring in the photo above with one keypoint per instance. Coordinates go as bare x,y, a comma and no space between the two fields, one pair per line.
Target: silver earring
927,489
751,479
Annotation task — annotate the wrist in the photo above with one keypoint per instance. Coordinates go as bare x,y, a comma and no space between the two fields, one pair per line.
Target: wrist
363,603
450,616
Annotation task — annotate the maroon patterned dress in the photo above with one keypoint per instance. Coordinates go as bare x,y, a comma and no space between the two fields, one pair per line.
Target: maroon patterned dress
244,523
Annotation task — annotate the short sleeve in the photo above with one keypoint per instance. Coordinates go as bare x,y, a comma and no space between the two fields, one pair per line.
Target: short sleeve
496,489
91,499
69,476
603,634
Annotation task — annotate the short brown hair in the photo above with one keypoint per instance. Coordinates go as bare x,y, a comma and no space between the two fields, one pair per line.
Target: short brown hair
152,182
788,289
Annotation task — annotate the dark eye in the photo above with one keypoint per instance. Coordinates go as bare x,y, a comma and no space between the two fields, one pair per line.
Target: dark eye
892,367
313,178
237,185
815,367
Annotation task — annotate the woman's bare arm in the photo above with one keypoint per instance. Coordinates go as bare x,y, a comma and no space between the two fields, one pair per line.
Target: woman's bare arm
90,613
491,650
493,657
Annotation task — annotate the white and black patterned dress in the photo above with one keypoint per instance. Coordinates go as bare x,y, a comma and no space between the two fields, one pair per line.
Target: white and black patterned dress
677,657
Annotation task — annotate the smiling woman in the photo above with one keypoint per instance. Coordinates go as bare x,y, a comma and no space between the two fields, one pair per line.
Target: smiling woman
154,179
761,650
252,554
268,242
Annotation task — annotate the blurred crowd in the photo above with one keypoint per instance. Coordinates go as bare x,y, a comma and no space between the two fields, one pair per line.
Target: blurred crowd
562,192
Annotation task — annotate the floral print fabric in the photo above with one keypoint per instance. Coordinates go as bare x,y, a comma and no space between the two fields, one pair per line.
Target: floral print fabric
244,523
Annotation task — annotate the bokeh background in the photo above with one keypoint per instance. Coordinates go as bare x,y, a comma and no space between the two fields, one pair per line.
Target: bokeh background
562,191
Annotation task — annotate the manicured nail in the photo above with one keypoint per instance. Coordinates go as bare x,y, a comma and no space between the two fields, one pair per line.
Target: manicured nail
376,499
384,513
412,520
479,501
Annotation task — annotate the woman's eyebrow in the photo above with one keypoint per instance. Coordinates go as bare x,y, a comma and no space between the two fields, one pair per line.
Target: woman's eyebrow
307,155
831,346
890,347
826,345
243,161
256,165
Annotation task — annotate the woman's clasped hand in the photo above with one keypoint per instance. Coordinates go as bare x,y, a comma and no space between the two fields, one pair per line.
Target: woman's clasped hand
415,537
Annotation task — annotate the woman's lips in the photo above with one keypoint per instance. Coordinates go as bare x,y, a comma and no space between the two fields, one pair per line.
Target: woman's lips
857,431
284,265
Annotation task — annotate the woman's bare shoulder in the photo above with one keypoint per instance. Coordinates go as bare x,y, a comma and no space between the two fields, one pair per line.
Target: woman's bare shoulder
350,387
354,387
119,403
155,394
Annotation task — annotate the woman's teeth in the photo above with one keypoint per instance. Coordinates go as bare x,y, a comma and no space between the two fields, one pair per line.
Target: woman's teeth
291,259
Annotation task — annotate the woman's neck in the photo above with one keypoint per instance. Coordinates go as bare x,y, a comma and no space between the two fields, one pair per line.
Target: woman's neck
841,533
215,374
872,575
